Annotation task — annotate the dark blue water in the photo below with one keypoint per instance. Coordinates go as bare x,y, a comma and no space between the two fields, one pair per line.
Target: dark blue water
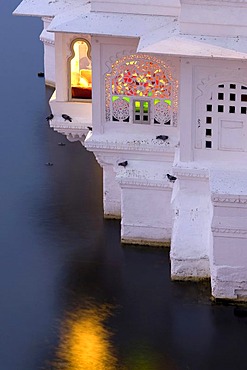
71,297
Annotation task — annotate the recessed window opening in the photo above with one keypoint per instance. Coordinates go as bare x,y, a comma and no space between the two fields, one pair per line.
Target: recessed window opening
244,97
232,97
81,71
141,111
231,109
243,110
209,108
208,132
208,144
209,120
220,96
220,108
232,86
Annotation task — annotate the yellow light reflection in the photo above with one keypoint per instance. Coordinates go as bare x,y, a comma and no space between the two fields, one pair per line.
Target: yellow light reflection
85,342
81,71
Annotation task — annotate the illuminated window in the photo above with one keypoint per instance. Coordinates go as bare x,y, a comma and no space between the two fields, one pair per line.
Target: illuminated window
141,89
141,111
81,71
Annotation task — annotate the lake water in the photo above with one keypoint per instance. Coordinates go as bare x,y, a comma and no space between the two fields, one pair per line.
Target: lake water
71,296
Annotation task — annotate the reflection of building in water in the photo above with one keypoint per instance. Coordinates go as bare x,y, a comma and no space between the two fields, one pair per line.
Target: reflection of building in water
85,342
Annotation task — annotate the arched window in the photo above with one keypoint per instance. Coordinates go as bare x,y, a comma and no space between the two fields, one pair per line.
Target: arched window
140,89
80,70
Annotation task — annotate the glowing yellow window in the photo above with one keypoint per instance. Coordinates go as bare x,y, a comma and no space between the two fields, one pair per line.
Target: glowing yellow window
81,71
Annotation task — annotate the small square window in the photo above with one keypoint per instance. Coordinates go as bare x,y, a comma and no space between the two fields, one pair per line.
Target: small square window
137,117
208,119
221,86
244,87
209,108
208,144
145,118
220,96
232,86
232,97
208,132
221,108
243,97
243,110
231,109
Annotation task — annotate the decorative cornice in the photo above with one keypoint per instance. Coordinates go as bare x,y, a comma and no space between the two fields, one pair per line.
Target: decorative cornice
137,183
227,198
47,41
73,133
135,146
233,232
190,173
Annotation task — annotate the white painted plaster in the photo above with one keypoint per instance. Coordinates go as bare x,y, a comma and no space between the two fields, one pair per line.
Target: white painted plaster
46,8
125,25
159,7
48,40
204,212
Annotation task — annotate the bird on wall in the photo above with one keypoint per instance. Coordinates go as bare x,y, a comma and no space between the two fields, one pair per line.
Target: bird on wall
171,178
66,117
90,128
50,117
123,164
49,164
162,137
41,74
61,144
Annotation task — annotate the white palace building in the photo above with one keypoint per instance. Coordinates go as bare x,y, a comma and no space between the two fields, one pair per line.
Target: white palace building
162,86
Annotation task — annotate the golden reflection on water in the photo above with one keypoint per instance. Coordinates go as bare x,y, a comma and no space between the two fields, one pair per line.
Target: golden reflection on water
85,341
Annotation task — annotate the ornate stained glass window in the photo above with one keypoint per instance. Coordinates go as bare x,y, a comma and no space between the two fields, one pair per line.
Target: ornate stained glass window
144,80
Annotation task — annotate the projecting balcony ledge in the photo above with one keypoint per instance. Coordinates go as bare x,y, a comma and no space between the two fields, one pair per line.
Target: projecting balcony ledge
133,143
80,117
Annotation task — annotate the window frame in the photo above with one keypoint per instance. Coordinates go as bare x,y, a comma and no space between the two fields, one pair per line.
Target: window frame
72,54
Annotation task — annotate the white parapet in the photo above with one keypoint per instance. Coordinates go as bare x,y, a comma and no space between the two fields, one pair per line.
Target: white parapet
81,118
48,40
229,228
191,228
145,195
146,202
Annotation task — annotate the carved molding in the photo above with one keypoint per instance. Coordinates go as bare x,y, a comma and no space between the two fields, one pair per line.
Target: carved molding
137,183
232,199
138,146
47,41
188,173
233,232
220,77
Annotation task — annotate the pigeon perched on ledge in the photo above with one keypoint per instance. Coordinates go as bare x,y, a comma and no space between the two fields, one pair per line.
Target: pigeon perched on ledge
90,128
171,178
50,117
162,137
66,117
49,164
123,164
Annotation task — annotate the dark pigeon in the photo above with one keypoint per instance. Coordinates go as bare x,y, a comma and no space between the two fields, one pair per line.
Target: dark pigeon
66,117
123,164
171,178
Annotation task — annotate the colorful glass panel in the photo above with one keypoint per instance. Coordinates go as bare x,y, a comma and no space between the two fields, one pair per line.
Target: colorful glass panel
141,78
